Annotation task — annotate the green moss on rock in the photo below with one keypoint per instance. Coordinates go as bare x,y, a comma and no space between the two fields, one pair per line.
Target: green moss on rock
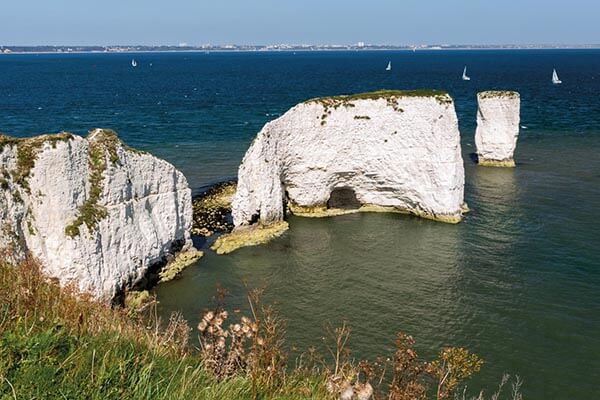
30,227
135,300
249,236
391,97
346,100
27,150
181,261
103,145
322,211
496,163
6,140
498,93
17,197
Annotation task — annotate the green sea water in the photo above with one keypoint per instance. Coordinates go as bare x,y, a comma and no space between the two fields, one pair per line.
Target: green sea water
516,282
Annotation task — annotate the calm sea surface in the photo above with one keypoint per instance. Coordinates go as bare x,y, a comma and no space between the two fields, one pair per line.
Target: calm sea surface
517,282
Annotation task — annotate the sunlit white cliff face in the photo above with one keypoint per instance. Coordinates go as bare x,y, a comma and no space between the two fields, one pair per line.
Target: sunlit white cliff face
93,211
497,127
381,151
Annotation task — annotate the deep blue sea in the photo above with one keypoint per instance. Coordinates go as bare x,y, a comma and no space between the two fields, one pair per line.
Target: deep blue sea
517,282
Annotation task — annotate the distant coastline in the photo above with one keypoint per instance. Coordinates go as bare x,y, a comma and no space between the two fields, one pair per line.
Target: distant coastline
116,49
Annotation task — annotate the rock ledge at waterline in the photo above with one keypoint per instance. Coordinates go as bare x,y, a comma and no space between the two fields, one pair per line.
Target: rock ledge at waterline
497,127
392,151
93,211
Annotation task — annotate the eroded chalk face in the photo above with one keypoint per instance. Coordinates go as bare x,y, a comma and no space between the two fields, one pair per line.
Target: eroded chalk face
93,211
392,150
498,117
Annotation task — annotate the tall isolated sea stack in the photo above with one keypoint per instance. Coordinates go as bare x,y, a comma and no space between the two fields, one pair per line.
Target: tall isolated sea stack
93,211
497,127
395,151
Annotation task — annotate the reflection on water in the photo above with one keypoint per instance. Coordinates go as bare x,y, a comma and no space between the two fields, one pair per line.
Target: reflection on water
497,213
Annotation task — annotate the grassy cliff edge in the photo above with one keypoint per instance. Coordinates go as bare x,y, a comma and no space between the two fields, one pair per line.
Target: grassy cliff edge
56,343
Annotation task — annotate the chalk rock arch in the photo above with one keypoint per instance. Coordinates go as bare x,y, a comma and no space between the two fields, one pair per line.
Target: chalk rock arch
392,150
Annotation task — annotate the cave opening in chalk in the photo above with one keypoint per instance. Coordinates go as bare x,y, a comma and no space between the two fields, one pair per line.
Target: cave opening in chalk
255,218
344,198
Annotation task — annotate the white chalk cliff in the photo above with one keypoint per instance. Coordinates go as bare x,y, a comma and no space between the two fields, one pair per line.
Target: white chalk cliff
93,211
381,151
497,127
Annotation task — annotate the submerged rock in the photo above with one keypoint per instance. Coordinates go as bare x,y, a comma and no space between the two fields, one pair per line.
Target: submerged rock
248,236
393,151
497,127
212,210
178,264
92,210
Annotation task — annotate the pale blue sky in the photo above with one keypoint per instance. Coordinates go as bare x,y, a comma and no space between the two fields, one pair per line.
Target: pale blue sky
85,22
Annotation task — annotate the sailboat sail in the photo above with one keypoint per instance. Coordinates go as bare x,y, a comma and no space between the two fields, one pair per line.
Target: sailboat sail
555,79
389,66
464,75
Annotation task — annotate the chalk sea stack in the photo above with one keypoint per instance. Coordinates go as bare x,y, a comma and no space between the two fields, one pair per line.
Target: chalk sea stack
392,151
92,210
497,127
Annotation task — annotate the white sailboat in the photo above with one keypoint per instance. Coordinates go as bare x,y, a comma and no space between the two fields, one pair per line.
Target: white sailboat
555,79
389,66
464,75
133,63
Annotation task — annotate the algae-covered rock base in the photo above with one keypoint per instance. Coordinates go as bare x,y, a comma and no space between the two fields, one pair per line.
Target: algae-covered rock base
484,162
249,236
178,264
93,211
327,210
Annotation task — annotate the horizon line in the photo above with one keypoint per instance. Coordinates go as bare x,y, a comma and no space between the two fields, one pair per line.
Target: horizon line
355,44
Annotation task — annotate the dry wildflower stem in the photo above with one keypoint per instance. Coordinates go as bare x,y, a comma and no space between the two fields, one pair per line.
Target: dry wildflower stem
454,365
408,372
252,346
515,393
224,350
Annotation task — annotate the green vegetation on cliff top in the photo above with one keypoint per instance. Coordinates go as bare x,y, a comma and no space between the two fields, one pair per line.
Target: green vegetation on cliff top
103,145
27,152
440,95
498,93
390,96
